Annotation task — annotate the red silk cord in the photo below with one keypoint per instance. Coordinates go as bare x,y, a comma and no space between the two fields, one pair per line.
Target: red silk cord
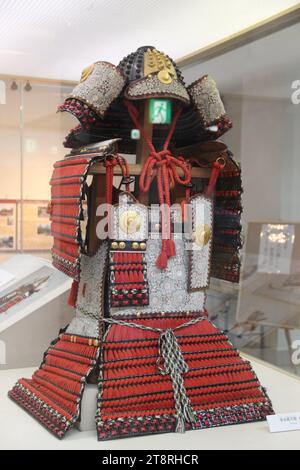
216,168
163,166
110,163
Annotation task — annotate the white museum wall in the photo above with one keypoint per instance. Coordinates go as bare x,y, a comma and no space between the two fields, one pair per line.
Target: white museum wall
265,141
32,136
59,40
261,197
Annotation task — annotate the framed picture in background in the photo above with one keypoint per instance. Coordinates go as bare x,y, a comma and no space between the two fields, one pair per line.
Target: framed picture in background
8,225
36,226
270,286
24,225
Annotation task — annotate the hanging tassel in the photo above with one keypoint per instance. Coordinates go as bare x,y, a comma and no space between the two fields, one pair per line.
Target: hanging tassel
180,427
189,414
73,294
170,248
217,166
162,260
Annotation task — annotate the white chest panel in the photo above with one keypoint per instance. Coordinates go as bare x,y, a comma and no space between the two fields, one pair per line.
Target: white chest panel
168,289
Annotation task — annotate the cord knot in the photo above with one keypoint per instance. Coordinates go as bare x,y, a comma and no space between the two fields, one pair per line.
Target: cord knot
163,166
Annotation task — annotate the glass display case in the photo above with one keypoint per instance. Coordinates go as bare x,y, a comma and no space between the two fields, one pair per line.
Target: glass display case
31,141
260,85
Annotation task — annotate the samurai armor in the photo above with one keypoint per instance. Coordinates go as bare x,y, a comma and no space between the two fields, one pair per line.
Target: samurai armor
140,330
98,101
135,398
68,192
166,367
53,394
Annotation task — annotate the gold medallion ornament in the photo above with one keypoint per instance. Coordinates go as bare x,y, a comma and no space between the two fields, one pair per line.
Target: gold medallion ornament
164,77
86,72
157,62
130,222
202,234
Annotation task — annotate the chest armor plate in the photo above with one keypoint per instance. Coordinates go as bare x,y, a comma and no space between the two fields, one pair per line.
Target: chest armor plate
137,287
